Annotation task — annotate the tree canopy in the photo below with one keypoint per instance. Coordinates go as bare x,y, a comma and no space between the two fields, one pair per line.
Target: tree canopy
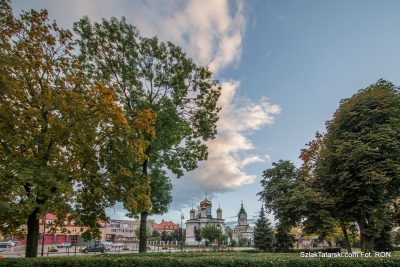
148,74
56,127
359,167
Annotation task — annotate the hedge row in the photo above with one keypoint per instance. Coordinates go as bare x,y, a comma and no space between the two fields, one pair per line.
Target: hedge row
328,250
199,259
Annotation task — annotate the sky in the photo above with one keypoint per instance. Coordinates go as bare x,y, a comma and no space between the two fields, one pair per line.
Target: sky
284,66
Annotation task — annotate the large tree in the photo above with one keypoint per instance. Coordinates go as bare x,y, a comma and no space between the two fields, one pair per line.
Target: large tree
317,207
278,192
146,73
283,239
263,232
53,122
360,164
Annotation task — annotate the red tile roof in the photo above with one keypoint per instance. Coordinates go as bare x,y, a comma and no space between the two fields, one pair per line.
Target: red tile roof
166,226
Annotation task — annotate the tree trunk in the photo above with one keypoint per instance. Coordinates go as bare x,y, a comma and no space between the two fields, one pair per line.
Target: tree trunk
362,235
32,235
346,238
367,243
143,237
143,221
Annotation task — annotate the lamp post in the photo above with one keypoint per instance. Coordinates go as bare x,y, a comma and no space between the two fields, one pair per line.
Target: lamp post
44,230
181,231
219,229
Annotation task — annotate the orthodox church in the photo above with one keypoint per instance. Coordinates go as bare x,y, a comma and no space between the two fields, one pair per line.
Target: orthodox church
201,218
243,229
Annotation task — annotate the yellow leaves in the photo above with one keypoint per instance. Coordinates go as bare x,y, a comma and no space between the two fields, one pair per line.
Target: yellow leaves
144,125
145,122
138,197
103,100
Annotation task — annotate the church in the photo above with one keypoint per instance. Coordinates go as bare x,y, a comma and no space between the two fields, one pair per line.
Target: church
201,218
243,229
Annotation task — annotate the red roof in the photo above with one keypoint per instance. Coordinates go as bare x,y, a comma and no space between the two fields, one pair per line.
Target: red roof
166,226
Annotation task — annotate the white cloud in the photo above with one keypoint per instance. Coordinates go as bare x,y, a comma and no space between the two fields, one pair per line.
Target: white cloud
224,169
210,31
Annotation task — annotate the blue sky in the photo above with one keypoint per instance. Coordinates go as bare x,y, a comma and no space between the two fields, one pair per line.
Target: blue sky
284,66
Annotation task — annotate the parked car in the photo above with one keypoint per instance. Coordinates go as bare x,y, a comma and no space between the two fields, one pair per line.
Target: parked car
117,245
7,244
64,245
106,243
95,248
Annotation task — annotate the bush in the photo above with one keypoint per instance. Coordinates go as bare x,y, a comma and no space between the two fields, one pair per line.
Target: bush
231,259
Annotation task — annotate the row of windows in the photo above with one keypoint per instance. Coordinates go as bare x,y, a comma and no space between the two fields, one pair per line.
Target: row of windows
121,231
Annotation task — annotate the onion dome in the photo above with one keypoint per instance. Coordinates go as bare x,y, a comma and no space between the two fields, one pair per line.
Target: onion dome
205,203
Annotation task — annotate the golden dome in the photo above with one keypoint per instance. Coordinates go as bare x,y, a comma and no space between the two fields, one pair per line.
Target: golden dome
205,203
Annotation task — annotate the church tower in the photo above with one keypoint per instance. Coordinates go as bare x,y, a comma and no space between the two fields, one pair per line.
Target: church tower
242,216
219,213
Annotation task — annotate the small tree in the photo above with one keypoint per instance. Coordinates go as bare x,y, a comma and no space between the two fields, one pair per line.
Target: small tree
211,233
164,236
243,242
284,239
149,231
197,235
263,233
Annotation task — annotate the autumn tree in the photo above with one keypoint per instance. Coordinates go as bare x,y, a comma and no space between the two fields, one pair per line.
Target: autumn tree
360,165
148,74
54,124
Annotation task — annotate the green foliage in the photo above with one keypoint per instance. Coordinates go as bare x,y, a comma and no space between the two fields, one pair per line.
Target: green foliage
148,74
197,234
263,233
211,233
243,242
278,192
283,239
395,236
359,168
231,259
149,232
53,125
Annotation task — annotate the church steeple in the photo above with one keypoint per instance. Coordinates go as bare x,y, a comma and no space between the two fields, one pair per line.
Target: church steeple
242,216
242,211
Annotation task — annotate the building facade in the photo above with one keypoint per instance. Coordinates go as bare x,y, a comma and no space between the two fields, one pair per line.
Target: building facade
201,219
54,234
243,229
120,230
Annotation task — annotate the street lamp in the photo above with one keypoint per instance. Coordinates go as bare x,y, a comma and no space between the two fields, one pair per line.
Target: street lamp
219,229
44,231
181,232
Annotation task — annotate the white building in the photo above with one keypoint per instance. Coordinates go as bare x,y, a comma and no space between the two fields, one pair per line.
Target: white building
243,229
201,219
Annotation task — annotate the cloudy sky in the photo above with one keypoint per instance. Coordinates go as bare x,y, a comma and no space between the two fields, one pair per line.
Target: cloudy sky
284,66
